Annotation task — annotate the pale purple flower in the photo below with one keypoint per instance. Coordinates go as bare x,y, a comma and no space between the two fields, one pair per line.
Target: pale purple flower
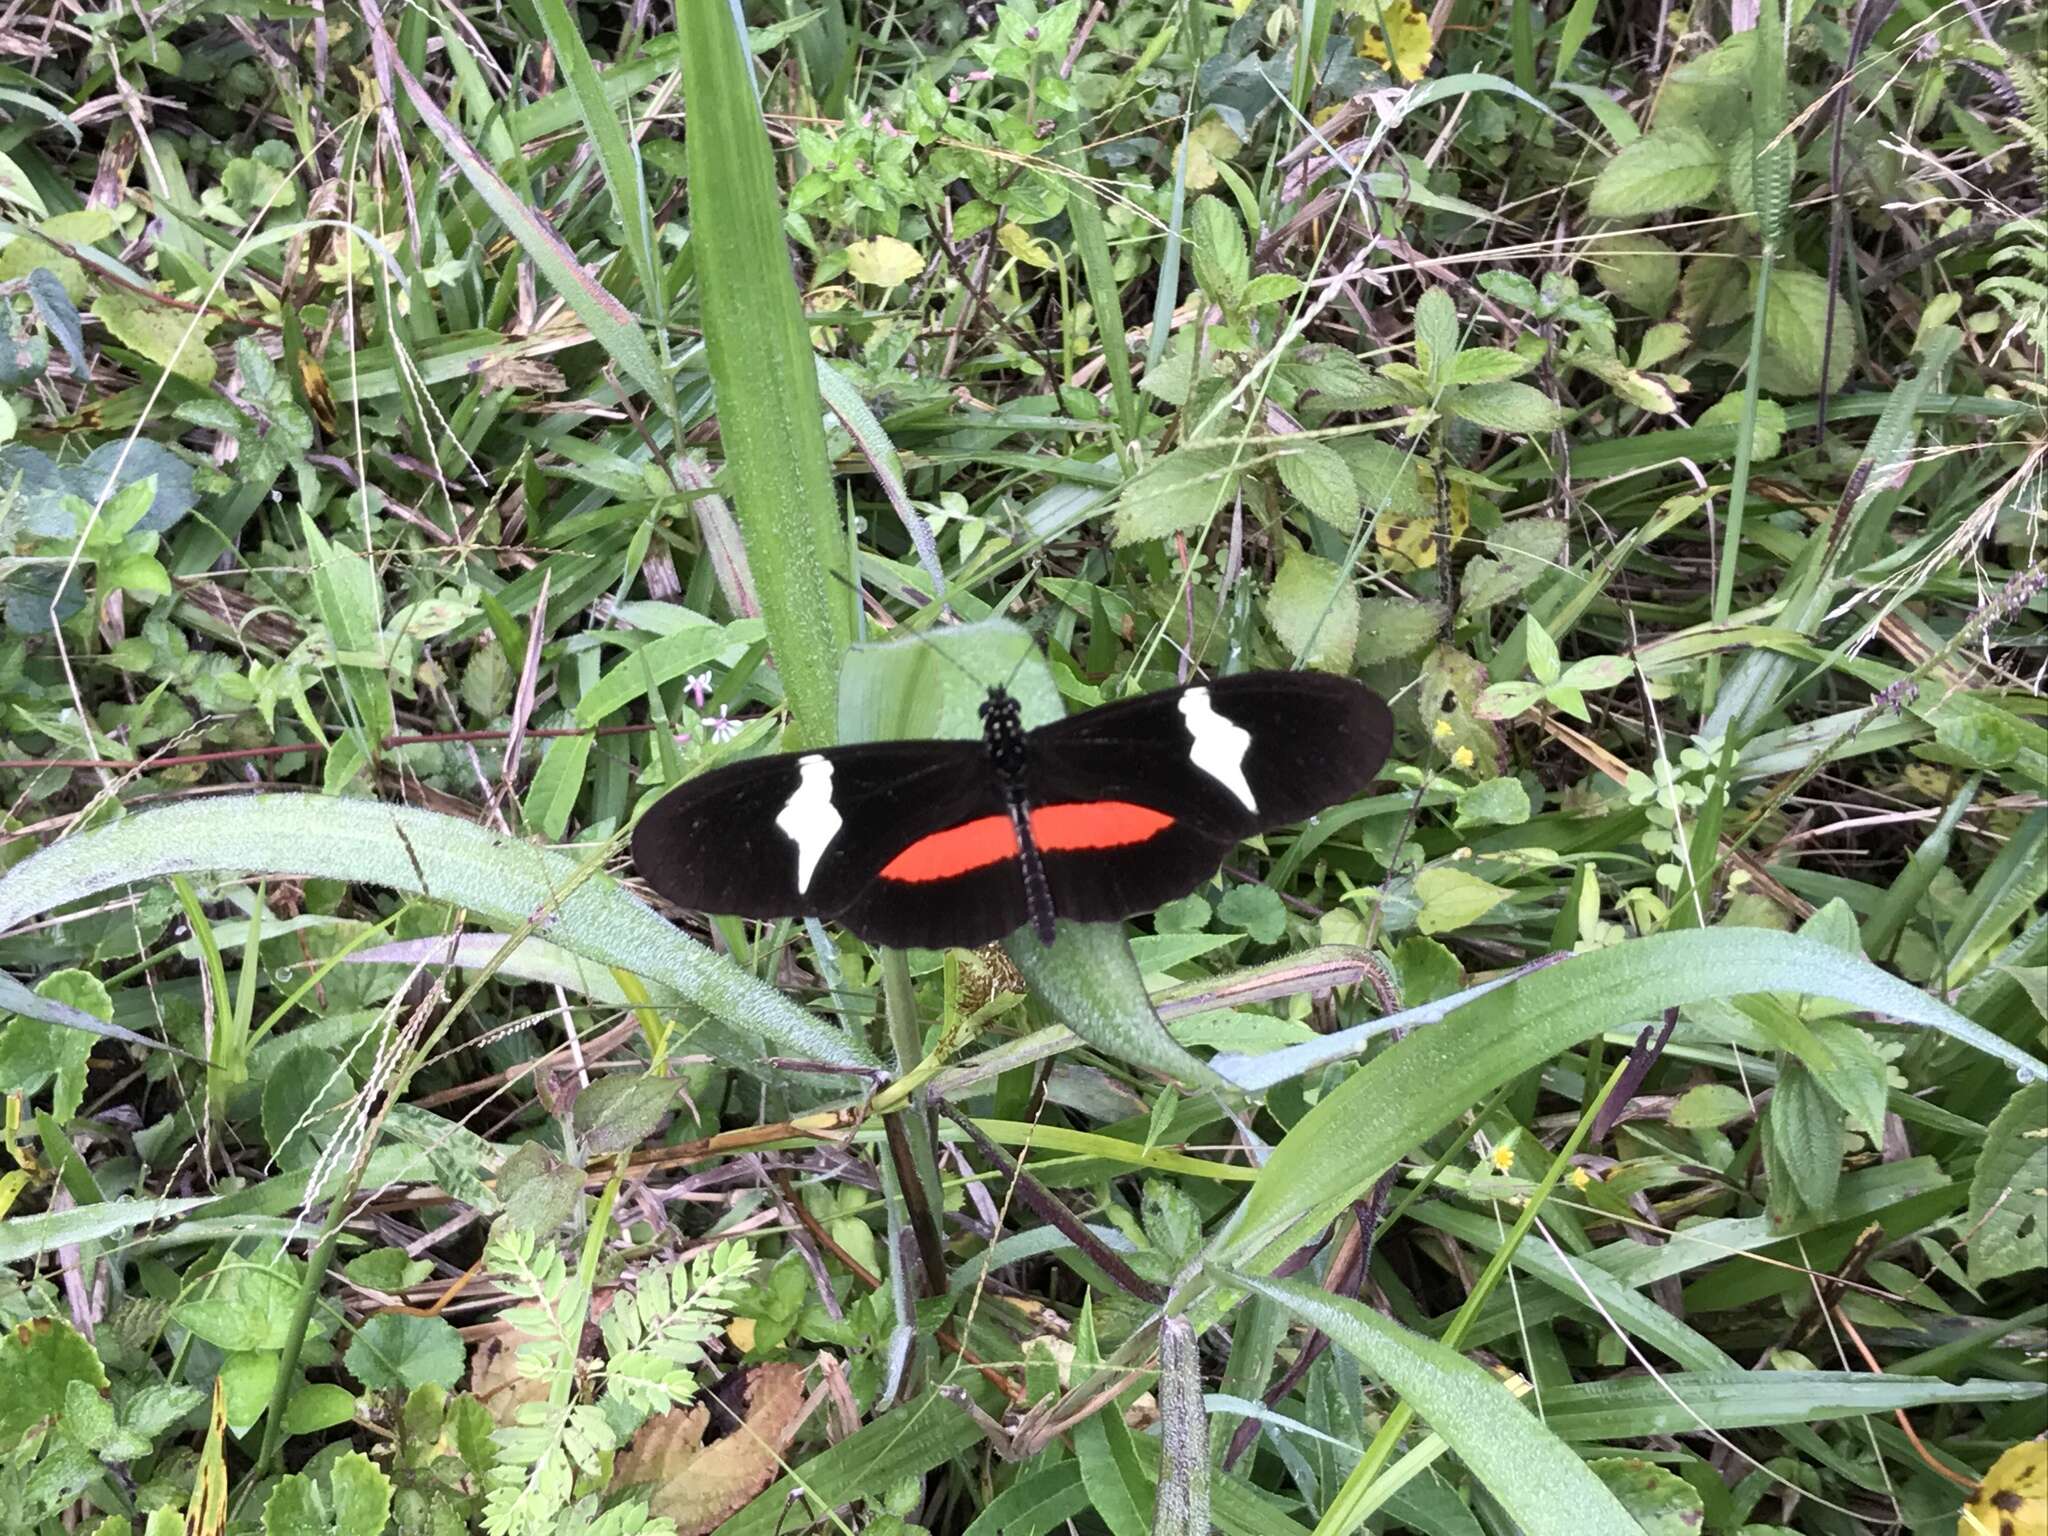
723,728
698,686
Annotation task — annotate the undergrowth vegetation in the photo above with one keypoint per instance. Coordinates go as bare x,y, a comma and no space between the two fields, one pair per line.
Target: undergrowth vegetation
427,433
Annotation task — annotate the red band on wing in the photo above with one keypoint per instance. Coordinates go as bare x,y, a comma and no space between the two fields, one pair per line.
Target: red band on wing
955,851
1096,824
1055,828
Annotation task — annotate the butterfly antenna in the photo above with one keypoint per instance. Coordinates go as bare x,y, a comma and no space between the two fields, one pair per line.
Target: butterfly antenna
901,629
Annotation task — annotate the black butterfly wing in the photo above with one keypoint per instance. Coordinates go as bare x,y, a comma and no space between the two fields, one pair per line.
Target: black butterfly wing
806,833
912,844
1182,777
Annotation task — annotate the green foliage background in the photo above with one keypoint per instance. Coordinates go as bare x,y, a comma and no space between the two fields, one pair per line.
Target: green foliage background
428,433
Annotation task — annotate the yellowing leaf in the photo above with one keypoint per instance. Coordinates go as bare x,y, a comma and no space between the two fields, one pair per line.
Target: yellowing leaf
1211,142
1453,899
884,261
1016,239
1407,541
1401,24
173,339
2013,1499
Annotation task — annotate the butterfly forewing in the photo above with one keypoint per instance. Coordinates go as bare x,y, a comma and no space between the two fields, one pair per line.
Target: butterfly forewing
804,833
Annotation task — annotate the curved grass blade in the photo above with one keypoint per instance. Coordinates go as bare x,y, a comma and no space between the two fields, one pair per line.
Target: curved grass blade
1419,1085
439,857
1535,1476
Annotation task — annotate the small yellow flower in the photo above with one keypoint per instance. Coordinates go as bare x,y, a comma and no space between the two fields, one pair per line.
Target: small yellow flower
1503,1157
1464,757
1442,730
1579,1179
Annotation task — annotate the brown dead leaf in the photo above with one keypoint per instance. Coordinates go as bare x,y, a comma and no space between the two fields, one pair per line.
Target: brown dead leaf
700,1486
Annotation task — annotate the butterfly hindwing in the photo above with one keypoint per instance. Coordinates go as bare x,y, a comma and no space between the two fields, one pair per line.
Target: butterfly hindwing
1190,773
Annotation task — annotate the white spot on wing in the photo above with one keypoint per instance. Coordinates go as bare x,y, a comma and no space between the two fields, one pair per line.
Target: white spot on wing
1219,746
809,817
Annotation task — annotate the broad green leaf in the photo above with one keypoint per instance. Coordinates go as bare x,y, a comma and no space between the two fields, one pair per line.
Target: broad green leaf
303,1097
34,1056
1709,1105
1318,477
1436,335
1176,494
1658,1500
1453,899
1501,802
1314,610
1768,433
1210,143
395,1349
1795,316
245,1304
1505,407
345,587
1217,238
1394,628
361,1495
172,338
1486,365
1019,242
1666,168
2007,1229
1519,554
557,785
39,1359
1638,268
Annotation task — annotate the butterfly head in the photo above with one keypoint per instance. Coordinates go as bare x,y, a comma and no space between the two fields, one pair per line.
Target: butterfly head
1002,728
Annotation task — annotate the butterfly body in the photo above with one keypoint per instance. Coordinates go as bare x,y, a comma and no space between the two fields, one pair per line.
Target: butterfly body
1094,818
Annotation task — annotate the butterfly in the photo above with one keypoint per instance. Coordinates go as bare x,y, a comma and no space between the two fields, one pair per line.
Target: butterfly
1097,817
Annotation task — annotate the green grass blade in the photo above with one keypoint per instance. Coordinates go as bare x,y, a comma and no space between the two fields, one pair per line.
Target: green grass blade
615,151
763,372
1411,1091
612,326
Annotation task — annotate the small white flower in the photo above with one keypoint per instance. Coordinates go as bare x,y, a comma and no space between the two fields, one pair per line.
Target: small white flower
698,686
723,728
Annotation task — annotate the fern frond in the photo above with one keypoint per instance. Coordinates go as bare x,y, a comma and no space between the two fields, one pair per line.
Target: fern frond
654,1339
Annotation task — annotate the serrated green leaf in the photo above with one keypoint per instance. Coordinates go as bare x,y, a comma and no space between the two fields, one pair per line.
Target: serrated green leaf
1318,477
1505,407
1666,168
1177,494
1313,607
1486,365
1221,263
2008,1232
